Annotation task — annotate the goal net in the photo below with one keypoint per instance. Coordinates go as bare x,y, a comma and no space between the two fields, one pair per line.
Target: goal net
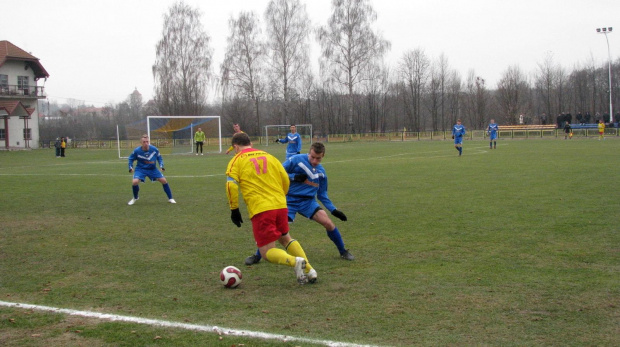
173,134
271,132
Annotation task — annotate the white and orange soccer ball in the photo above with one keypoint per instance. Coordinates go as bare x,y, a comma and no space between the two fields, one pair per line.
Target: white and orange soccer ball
230,277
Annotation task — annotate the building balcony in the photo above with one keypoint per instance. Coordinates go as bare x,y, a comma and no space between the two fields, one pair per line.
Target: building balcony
13,91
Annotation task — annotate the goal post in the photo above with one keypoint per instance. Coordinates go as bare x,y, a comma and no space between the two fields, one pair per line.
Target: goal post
280,131
174,134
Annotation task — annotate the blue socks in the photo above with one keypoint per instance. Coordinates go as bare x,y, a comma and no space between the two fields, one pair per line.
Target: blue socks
336,238
167,190
136,189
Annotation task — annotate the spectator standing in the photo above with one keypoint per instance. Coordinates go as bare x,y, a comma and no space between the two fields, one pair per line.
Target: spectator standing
568,131
63,147
57,146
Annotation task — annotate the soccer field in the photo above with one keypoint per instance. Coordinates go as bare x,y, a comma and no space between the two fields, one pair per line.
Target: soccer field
513,246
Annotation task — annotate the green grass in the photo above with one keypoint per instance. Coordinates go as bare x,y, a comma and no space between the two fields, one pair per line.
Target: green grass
514,246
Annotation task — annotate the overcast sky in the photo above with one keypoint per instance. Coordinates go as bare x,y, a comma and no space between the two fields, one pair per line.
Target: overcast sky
100,51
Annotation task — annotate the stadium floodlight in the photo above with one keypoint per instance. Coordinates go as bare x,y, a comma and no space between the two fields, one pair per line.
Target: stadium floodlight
280,131
607,30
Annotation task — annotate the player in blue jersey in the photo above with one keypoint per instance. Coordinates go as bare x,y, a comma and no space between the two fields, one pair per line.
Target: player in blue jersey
294,142
309,183
147,155
492,131
458,131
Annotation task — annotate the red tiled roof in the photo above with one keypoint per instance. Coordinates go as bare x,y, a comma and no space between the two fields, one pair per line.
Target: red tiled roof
9,51
11,106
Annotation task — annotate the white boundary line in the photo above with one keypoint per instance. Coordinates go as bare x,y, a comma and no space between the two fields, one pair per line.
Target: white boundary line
168,324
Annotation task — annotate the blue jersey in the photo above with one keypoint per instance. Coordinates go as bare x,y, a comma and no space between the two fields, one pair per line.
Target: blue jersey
492,130
294,144
458,130
146,159
314,186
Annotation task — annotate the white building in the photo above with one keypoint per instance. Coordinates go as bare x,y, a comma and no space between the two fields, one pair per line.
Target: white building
19,95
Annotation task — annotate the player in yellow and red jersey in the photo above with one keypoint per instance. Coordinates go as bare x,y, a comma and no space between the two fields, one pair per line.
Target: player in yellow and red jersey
264,184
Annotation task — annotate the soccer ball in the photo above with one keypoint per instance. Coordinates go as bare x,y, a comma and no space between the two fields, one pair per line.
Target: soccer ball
230,277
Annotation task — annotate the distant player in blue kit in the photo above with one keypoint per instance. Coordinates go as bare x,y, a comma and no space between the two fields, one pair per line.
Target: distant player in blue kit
309,182
294,142
492,131
458,131
147,155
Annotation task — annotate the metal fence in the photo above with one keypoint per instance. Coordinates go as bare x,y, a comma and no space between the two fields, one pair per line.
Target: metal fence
366,137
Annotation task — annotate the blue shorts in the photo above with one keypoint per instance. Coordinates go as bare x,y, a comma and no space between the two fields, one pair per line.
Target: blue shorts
458,140
493,136
141,174
306,207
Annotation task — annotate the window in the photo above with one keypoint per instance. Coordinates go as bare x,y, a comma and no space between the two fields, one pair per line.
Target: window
4,84
22,84
2,134
27,134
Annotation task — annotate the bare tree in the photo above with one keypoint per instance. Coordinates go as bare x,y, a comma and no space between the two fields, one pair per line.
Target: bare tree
433,96
546,84
414,73
243,66
288,30
513,94
453,100
349,45
183,63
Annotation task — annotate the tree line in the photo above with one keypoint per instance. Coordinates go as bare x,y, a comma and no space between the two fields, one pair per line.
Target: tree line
266,78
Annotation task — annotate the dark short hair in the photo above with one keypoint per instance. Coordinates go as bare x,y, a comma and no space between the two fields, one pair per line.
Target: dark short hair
318,147
241,139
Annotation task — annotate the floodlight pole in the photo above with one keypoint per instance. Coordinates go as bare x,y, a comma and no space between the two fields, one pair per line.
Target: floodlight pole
611,108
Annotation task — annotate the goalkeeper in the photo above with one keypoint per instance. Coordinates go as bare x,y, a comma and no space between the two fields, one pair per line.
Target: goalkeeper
309,182
294,142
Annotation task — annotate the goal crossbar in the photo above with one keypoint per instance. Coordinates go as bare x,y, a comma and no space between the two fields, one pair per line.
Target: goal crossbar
190,128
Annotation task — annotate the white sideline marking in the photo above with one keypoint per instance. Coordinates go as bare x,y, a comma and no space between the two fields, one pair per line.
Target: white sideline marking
168,324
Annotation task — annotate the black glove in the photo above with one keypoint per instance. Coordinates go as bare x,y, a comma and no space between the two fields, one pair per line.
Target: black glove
235,216
300,178
130,170
339,215
453,137
276,140
298,152
163,169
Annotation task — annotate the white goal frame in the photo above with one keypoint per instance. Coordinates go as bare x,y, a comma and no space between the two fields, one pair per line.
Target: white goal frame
148,129
287,126
219,126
